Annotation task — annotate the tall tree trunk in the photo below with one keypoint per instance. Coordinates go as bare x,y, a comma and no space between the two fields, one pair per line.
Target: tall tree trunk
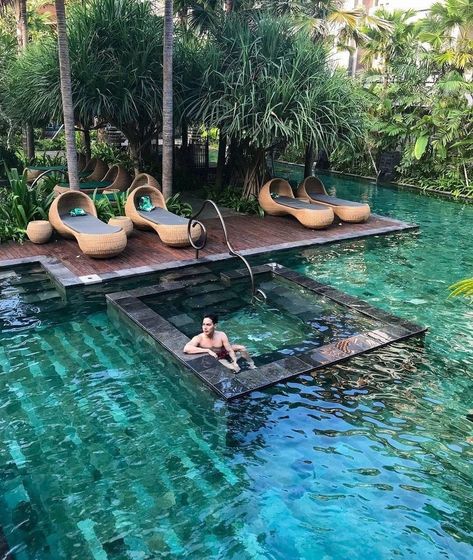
222,147
87,143
255,174
168,136
66,94
22,37
309,160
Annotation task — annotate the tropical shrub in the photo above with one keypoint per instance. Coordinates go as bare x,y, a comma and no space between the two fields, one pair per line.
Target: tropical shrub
113,155
116,70
109,206
21,205
264,84
233,198
462,288
177,206
8,160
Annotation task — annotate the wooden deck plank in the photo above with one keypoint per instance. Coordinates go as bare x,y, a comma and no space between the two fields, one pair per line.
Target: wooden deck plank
245,233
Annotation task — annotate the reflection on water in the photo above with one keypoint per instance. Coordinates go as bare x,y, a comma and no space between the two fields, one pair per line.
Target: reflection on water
109,450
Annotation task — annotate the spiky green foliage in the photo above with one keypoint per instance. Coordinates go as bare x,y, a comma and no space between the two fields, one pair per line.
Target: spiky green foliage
116,67
264,84
21,204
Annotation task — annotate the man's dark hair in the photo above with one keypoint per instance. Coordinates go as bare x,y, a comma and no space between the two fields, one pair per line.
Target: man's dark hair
212,317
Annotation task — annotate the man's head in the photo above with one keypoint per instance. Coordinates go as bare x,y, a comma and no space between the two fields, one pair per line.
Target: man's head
208,323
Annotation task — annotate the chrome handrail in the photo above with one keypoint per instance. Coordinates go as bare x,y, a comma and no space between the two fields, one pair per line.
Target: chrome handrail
256,293
47,172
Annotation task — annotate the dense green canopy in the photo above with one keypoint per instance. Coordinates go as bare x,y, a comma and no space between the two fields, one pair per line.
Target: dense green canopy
116,66
266,84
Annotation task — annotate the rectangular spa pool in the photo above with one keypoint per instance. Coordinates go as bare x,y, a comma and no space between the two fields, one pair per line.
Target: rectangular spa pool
303,325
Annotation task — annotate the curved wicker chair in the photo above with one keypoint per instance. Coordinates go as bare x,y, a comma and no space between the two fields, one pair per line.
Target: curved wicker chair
172,229
276,199
34,171
118,177
95,238
100,169
88,167
346,210
143,180
88,187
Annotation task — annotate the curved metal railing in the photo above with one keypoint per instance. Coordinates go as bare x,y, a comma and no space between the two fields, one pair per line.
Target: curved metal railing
47,172
256,293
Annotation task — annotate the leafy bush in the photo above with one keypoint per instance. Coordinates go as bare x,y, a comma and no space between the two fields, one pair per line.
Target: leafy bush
109,206
113,155
48,160
51,144
177,206
8,159
234,199
21,205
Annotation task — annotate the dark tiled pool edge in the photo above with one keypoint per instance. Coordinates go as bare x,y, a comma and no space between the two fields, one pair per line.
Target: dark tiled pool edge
64,278
227,385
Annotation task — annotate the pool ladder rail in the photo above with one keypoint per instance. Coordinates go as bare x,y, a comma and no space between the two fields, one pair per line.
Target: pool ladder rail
256,293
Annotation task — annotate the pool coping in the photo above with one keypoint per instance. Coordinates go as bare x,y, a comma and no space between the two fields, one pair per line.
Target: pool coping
127,308
65,279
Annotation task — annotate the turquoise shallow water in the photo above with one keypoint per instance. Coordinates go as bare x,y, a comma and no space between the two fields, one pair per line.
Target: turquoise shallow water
110,450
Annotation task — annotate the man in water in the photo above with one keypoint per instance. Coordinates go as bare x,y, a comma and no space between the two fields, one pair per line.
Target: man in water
216,344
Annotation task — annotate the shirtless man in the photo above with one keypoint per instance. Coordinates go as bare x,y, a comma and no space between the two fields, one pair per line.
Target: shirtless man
216,344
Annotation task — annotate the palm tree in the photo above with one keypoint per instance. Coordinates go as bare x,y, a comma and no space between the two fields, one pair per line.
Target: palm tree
66,95
168,120
449,29
22,35
116,53
266,85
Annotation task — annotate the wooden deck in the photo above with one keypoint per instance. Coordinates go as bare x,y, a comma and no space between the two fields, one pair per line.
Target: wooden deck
248,234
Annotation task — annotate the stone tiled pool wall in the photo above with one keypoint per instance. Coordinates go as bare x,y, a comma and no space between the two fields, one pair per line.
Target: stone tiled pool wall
131,306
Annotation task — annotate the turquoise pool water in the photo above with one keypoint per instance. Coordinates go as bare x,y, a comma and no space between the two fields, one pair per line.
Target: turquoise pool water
109,450
291,321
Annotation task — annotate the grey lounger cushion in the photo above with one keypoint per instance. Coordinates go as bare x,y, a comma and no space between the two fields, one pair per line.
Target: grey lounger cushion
87,224
163,217
300,204
333,200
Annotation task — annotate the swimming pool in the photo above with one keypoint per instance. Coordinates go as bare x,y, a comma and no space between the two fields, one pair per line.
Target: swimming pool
110,450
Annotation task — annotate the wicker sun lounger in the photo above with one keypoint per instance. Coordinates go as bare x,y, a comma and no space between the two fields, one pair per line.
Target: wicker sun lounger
118,177
34,171
346,210
143,180
95,238
172,229
99,171
276,199
88,188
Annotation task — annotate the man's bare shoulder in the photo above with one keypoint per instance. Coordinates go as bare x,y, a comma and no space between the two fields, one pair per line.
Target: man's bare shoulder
221,335
196,340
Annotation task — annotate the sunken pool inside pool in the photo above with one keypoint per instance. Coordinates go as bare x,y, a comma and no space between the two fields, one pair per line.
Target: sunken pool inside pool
303,325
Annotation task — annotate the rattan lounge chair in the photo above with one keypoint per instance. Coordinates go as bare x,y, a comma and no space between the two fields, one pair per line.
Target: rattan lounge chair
34,171
118,177
276,199
346,210
95,238
99,172
172,229
88,188
143,180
